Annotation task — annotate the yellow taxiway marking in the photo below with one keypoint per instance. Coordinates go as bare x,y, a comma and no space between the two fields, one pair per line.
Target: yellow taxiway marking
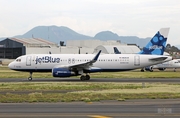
97,116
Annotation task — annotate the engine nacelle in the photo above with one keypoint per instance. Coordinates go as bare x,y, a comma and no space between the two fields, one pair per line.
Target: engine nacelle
149,68
62,72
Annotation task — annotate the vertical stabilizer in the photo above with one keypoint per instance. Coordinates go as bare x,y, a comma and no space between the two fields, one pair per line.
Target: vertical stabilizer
157,44
116,51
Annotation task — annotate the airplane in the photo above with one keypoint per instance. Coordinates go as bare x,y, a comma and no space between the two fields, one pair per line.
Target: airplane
67,65
175,63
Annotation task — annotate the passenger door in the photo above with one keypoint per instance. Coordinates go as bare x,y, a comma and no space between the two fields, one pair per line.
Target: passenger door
28,61
136,60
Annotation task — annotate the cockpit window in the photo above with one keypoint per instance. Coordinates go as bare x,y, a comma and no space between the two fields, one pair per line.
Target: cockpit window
18,60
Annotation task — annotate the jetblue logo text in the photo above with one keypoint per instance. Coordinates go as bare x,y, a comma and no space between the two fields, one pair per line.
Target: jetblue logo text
47,59
155,47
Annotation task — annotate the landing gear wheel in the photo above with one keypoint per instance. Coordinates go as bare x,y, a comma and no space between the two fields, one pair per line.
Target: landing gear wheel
151,70
142,70
29,78
87,77
82,78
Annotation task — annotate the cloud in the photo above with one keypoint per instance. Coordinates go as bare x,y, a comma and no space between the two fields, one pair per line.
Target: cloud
125,17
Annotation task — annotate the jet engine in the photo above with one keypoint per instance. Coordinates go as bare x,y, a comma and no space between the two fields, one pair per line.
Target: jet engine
62,72
149,68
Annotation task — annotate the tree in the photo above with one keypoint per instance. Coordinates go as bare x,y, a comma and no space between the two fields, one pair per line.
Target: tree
174,49
168,46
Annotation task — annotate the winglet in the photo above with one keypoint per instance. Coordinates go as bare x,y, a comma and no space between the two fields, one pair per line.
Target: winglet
157,43
96,57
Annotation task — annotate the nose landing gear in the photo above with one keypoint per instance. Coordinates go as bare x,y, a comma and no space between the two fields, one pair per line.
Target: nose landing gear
30,76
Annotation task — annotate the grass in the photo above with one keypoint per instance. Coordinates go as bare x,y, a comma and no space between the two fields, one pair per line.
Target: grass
87,92
71,86
6,73
86,97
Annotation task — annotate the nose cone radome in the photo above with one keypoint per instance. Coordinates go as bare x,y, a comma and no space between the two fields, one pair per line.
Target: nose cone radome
170,58
10,65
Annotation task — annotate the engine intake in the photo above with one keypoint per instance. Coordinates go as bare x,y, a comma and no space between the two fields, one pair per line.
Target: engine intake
62,72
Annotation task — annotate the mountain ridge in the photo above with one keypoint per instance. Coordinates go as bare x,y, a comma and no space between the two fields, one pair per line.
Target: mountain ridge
53,33
62,33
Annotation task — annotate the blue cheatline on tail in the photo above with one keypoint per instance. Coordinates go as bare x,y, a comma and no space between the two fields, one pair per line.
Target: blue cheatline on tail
157,44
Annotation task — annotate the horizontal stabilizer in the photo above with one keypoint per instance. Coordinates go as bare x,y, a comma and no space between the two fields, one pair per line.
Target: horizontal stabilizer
158,59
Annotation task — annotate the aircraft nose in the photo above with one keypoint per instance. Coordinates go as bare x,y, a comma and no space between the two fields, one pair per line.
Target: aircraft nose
169,58
10,65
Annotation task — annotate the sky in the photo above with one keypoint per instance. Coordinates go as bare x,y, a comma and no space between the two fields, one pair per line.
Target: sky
142,18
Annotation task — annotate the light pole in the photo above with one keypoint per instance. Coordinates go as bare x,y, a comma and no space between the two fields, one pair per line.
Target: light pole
79,50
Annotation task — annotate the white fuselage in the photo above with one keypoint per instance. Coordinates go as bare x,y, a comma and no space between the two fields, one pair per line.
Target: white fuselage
105,62
175,63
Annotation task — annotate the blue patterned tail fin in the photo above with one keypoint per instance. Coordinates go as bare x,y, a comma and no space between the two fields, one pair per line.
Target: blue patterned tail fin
157,44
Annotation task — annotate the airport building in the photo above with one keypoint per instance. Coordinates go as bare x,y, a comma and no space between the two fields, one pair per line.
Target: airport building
107,47
11,48
123,49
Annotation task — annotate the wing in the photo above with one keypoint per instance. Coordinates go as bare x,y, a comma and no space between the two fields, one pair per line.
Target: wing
80,65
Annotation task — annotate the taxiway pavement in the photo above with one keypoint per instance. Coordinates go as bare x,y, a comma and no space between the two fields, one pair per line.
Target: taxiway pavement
156,108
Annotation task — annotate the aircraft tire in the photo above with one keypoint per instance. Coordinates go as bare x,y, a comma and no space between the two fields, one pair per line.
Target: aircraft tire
87,77
82,78
142,70
30,78
151,70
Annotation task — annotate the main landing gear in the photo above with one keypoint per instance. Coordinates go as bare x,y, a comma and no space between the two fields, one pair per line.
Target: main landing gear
30,76
142,70
85,77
